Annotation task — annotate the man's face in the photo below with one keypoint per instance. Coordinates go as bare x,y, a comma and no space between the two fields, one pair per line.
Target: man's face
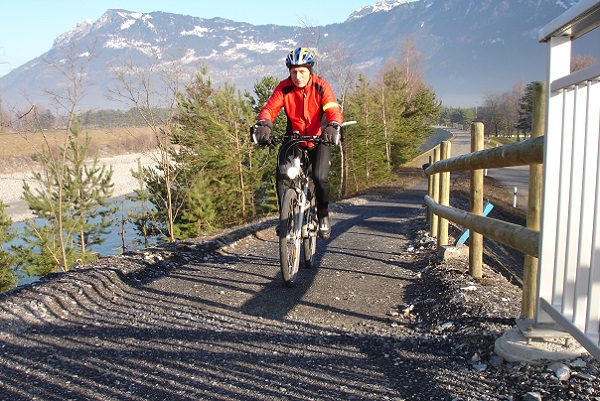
300,76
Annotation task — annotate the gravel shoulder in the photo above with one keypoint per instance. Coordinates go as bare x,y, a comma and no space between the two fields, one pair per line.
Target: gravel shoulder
381,318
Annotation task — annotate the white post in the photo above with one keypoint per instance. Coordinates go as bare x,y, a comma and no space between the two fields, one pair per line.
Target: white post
559,56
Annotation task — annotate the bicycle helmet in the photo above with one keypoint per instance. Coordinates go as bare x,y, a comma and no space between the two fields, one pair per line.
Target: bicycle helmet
300,57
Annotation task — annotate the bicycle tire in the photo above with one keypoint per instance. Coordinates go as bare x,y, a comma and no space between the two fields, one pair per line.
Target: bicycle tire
310,240
289,241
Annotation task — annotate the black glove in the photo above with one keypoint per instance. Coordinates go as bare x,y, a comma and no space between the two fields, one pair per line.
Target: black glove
262,132
332,133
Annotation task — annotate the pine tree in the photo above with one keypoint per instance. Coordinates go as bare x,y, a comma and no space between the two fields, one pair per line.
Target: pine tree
215,181
89,188
215,132
525,110
143,216
71,198
365,147
414,124
8,277
394,118
410,111
264,159
167,187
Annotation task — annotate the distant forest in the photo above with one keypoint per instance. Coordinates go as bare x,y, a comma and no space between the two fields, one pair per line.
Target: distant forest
101,119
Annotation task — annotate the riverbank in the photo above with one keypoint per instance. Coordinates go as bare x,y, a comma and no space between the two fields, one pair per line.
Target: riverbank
123,181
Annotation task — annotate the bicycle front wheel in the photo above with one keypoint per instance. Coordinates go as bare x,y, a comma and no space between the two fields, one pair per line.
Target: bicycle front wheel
310,236
289,237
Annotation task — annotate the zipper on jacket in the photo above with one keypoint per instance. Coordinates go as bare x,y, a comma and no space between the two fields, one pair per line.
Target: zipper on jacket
304,95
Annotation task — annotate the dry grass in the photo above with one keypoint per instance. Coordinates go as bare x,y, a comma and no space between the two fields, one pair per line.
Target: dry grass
18,151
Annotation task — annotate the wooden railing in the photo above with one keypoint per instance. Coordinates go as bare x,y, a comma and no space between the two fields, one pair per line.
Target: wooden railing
523,238
561,291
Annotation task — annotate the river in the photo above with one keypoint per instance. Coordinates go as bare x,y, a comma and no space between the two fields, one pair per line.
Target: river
123,184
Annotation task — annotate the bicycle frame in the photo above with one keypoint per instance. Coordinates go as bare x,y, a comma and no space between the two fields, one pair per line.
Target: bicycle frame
297,211
298,173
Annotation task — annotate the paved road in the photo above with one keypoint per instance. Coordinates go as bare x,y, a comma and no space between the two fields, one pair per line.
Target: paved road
509,176
513,177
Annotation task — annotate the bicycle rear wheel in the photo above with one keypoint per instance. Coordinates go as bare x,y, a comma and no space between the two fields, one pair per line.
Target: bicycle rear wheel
289,237
310,236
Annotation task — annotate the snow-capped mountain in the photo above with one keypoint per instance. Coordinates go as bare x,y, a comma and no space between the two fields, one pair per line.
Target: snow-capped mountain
383,5
468,48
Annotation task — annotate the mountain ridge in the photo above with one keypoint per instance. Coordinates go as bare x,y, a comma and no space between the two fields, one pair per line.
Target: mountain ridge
468,48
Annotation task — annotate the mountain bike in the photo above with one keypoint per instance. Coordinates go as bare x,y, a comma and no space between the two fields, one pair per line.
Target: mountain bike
298,223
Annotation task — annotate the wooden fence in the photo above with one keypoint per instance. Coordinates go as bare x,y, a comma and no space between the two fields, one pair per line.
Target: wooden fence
523,238
561,290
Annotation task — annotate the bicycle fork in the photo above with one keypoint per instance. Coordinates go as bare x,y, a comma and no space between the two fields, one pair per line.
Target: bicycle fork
300,227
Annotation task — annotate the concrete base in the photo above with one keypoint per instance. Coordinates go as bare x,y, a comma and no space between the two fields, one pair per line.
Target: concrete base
454,252
513,346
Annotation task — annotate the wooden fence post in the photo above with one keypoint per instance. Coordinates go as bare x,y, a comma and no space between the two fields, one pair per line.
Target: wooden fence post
530,265
429,192
476,199
442,239
435,196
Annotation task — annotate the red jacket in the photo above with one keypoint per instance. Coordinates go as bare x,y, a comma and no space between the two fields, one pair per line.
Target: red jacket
304,107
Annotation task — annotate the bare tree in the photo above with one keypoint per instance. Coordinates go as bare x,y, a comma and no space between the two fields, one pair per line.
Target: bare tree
338,69
152,90
72,65
511,107
4,118
411,63
311,38
490,113
500,112
579,62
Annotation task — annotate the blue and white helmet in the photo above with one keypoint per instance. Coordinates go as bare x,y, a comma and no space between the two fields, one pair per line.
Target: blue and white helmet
300,57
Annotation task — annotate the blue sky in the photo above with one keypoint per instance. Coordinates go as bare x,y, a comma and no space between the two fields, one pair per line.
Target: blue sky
28,27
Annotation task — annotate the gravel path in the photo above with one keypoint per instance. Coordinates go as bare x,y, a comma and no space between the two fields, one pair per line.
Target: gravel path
381,318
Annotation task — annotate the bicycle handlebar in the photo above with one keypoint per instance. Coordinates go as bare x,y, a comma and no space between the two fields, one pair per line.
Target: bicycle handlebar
296,137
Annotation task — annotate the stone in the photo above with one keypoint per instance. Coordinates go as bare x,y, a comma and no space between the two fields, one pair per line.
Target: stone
561,371
532,396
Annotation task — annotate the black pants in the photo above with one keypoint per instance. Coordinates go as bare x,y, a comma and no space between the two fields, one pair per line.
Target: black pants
320,163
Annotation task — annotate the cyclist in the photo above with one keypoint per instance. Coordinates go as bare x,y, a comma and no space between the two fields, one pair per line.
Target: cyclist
312,110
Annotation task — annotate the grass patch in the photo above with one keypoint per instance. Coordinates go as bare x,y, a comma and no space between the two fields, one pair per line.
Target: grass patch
19,151
504,140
